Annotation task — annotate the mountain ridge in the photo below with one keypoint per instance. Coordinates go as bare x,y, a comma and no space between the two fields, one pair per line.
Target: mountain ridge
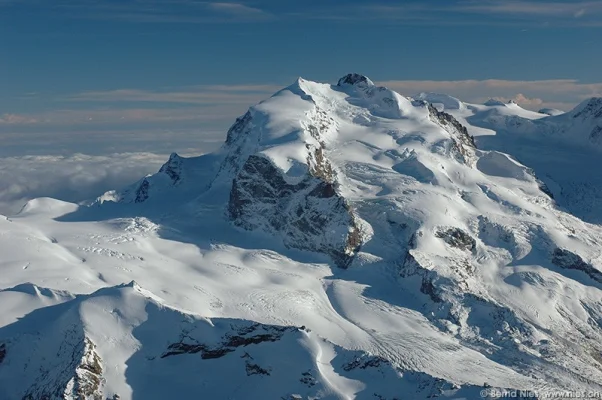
382,224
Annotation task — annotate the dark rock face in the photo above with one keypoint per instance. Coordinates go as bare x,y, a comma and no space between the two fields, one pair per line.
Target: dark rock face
354,79
592,109
308,379
81,378
255,369
596,134
456,237
239,128
567,259
364,362
173,168
445,119
242,139
309,214
463,143
142,192
306,213
253,334
545,189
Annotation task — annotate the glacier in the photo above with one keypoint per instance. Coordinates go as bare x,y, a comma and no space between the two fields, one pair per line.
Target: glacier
346,241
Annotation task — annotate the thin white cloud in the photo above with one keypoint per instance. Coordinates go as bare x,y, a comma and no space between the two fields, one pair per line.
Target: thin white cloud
532,8
154,11
503,12
204,103
238,10
121,115
16,119
467,12
212,94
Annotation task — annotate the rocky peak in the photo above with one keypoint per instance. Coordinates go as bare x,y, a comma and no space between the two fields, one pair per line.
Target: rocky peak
306,210
240,126
591,108
173,168
464,144
355,80
494,102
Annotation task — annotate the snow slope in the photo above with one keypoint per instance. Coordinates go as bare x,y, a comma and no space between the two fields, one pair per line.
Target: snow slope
563,149
345,242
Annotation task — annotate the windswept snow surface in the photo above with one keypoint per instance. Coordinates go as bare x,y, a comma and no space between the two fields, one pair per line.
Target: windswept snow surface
203,282
562,149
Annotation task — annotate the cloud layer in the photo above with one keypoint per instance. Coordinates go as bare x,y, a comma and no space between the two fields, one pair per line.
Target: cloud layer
208,106
150,11
72,178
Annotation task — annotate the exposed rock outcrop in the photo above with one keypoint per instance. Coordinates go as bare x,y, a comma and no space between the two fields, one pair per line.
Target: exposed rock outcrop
355,79
568,260
591,108
173,168
240,127
310,215
456,237
365,361
253,334
463,144
411,267
307,211
142,191
78,376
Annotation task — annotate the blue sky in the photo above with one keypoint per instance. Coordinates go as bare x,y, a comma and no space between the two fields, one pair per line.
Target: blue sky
87,70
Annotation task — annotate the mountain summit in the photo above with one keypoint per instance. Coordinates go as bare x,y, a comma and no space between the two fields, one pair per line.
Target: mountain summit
344,242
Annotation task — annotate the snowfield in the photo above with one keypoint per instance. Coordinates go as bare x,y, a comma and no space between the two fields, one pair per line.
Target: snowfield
346,242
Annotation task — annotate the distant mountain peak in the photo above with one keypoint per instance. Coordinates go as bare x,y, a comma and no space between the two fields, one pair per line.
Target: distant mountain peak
550,111
447,102
494,102
173,167
355,80
590,108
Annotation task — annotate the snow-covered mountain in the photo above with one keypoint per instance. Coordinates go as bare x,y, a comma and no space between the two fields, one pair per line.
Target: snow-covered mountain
345,242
